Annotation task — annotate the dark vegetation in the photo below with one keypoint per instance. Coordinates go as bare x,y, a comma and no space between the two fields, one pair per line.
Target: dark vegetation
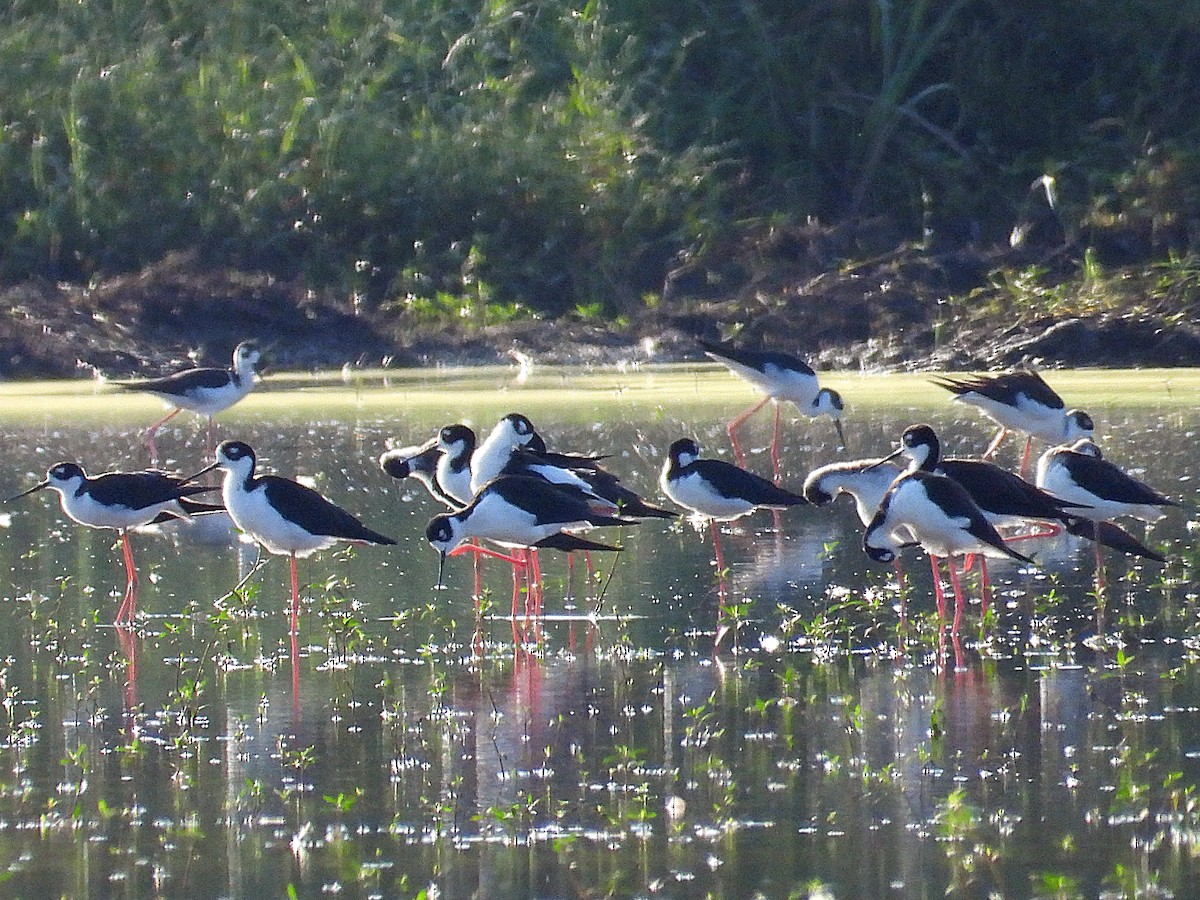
438,176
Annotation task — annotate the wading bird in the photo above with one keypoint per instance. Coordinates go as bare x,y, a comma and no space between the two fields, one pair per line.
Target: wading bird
1020,400
122,500
206,391
940,515
780,377
287,518
718,491
522,513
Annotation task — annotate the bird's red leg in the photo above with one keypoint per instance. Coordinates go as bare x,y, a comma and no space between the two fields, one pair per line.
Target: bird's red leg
295,675
958,596
995,444
1024,470
484,551
128,608
533,599
516,577
716,534
737,423
938,595
295,594
153,430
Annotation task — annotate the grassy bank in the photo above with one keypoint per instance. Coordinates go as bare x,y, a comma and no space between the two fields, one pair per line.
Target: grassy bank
432,161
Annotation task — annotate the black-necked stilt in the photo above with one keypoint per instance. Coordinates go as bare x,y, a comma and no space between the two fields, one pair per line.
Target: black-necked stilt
718,491
940,514
1005,497
457,443
863,480
524,513
781,377
1020,400
593,481
1079,473
122,500
287,518
419,462
512,431
206,391
1008,499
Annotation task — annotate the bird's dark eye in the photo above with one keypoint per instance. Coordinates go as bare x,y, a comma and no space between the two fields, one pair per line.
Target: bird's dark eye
59,472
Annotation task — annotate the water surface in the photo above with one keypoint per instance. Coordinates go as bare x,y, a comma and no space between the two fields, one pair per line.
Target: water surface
405,744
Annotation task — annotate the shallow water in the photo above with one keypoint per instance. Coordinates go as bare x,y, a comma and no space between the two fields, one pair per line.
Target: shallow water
403,746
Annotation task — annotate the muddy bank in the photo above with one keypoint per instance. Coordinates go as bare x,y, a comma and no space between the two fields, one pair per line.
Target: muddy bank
892,312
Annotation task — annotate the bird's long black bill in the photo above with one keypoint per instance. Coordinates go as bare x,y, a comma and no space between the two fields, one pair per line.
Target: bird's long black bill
837,423
40,486
203,471
441,570
888,458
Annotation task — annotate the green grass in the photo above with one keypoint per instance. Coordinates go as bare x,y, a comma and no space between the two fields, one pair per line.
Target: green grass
510,158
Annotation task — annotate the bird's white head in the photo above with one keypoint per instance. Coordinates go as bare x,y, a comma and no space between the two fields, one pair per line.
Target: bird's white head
1077,424
246,357
456,440
444,533
234,457
683,452
1087,447
517,429
921,445
64,477
829,402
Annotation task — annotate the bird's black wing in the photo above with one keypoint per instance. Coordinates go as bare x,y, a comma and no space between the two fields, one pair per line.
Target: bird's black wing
1111,535
138,490
949,494
628,502
755,359
1004,493
191,507
181,382
569,543
1005,388
1106,480
731,481
549,503
314,513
